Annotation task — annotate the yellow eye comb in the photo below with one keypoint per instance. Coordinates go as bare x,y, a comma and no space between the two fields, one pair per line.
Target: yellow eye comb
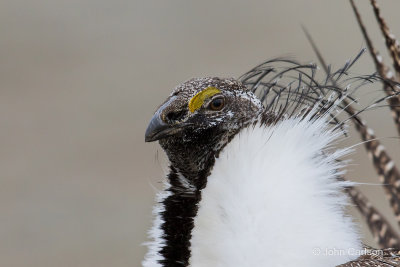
197,101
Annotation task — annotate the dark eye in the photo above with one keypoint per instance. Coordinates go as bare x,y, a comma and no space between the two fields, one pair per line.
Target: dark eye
217,104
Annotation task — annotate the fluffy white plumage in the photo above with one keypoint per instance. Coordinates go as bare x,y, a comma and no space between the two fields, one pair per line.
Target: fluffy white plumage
273,199
152,257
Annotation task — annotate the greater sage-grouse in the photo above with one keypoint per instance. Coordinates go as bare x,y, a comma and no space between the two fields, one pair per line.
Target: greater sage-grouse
256,177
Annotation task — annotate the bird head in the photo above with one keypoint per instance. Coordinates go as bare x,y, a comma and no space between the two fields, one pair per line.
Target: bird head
200,105
201,115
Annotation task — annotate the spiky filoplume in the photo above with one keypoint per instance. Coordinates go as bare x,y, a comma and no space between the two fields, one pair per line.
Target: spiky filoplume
378,225
388,173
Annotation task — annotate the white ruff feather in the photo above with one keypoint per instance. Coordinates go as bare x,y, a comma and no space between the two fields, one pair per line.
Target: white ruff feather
273,199
152,257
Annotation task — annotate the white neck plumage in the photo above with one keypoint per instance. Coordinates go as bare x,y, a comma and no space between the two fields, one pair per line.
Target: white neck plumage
273,199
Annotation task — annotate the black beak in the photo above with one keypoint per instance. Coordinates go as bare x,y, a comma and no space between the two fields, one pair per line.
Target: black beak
157,129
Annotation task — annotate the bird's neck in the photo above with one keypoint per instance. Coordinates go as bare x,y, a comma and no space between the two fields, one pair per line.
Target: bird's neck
190,166
192,155
191,162
179,207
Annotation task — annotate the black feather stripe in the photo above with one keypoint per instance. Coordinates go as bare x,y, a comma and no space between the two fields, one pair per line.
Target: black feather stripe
180,209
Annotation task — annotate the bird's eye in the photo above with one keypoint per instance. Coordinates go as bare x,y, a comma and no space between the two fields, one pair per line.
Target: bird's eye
217,104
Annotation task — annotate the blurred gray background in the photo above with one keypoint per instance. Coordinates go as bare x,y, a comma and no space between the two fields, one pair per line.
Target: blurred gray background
79,80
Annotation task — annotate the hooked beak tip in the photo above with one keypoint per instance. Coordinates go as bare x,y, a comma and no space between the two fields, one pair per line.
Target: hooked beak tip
156,129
